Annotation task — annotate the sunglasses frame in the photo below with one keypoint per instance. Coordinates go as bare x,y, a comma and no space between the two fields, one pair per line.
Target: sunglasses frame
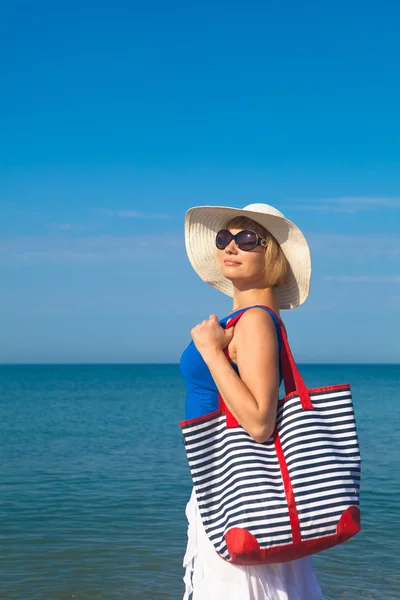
260,241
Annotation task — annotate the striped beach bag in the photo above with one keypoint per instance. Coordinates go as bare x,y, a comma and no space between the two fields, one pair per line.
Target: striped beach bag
291,496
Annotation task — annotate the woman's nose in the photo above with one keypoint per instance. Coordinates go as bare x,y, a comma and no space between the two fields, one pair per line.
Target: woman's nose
231,247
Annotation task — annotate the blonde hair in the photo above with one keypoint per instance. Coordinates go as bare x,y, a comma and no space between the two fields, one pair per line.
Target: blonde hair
276,264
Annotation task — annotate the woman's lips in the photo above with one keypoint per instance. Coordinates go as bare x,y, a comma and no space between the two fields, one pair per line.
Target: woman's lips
231,263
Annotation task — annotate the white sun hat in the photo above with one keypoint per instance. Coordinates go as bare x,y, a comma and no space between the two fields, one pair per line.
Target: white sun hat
202,224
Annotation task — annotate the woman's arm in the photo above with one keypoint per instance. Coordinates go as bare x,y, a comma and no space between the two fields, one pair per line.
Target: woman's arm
252,397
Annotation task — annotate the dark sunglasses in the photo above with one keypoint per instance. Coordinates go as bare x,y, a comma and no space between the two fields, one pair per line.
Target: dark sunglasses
245,240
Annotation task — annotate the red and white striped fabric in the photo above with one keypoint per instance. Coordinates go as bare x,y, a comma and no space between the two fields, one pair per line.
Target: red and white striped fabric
292,496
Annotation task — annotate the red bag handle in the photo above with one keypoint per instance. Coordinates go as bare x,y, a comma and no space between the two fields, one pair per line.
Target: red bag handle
291,375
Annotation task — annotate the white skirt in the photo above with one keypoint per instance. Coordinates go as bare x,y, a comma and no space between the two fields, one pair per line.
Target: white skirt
209,577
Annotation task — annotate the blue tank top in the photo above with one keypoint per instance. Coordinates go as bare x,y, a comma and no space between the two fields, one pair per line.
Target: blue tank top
202,393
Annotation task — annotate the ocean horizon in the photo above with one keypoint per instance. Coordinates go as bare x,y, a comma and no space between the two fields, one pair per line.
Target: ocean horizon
116,363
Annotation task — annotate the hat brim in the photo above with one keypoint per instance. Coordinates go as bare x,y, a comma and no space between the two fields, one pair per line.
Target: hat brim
203,222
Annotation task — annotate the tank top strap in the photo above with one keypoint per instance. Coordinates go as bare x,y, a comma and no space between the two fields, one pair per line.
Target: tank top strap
270,312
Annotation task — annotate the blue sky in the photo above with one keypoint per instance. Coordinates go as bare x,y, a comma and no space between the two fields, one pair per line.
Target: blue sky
118,117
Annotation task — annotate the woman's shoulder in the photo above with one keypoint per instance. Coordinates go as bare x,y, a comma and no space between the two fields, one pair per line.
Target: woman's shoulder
255,328
257,322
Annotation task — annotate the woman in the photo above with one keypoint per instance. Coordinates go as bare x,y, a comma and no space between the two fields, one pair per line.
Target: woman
262,260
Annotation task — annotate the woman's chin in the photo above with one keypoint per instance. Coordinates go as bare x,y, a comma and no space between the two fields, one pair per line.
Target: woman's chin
227,273
235,278
243,283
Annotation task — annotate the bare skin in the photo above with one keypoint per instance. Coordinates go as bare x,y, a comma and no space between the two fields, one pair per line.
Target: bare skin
252,344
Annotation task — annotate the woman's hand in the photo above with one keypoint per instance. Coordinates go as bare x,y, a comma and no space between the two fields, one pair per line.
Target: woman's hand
210,338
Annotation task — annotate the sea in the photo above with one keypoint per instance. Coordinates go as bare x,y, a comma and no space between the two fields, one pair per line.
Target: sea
94,483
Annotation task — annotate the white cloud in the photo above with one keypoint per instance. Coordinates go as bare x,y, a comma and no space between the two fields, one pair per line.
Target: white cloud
348,204
129,214
363,278
86,249
354,248
72,227
395,302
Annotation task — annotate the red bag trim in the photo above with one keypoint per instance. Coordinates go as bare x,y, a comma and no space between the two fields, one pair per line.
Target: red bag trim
328,388
215,413
287,484
348,525
223,408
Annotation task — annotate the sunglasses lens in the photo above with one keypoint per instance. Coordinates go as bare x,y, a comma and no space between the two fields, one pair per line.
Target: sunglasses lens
246,240
224,237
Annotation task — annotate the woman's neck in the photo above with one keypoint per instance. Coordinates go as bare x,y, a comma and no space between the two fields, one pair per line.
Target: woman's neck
244,298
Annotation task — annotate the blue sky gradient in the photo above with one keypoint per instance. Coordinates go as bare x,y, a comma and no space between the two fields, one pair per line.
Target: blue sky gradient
118,117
